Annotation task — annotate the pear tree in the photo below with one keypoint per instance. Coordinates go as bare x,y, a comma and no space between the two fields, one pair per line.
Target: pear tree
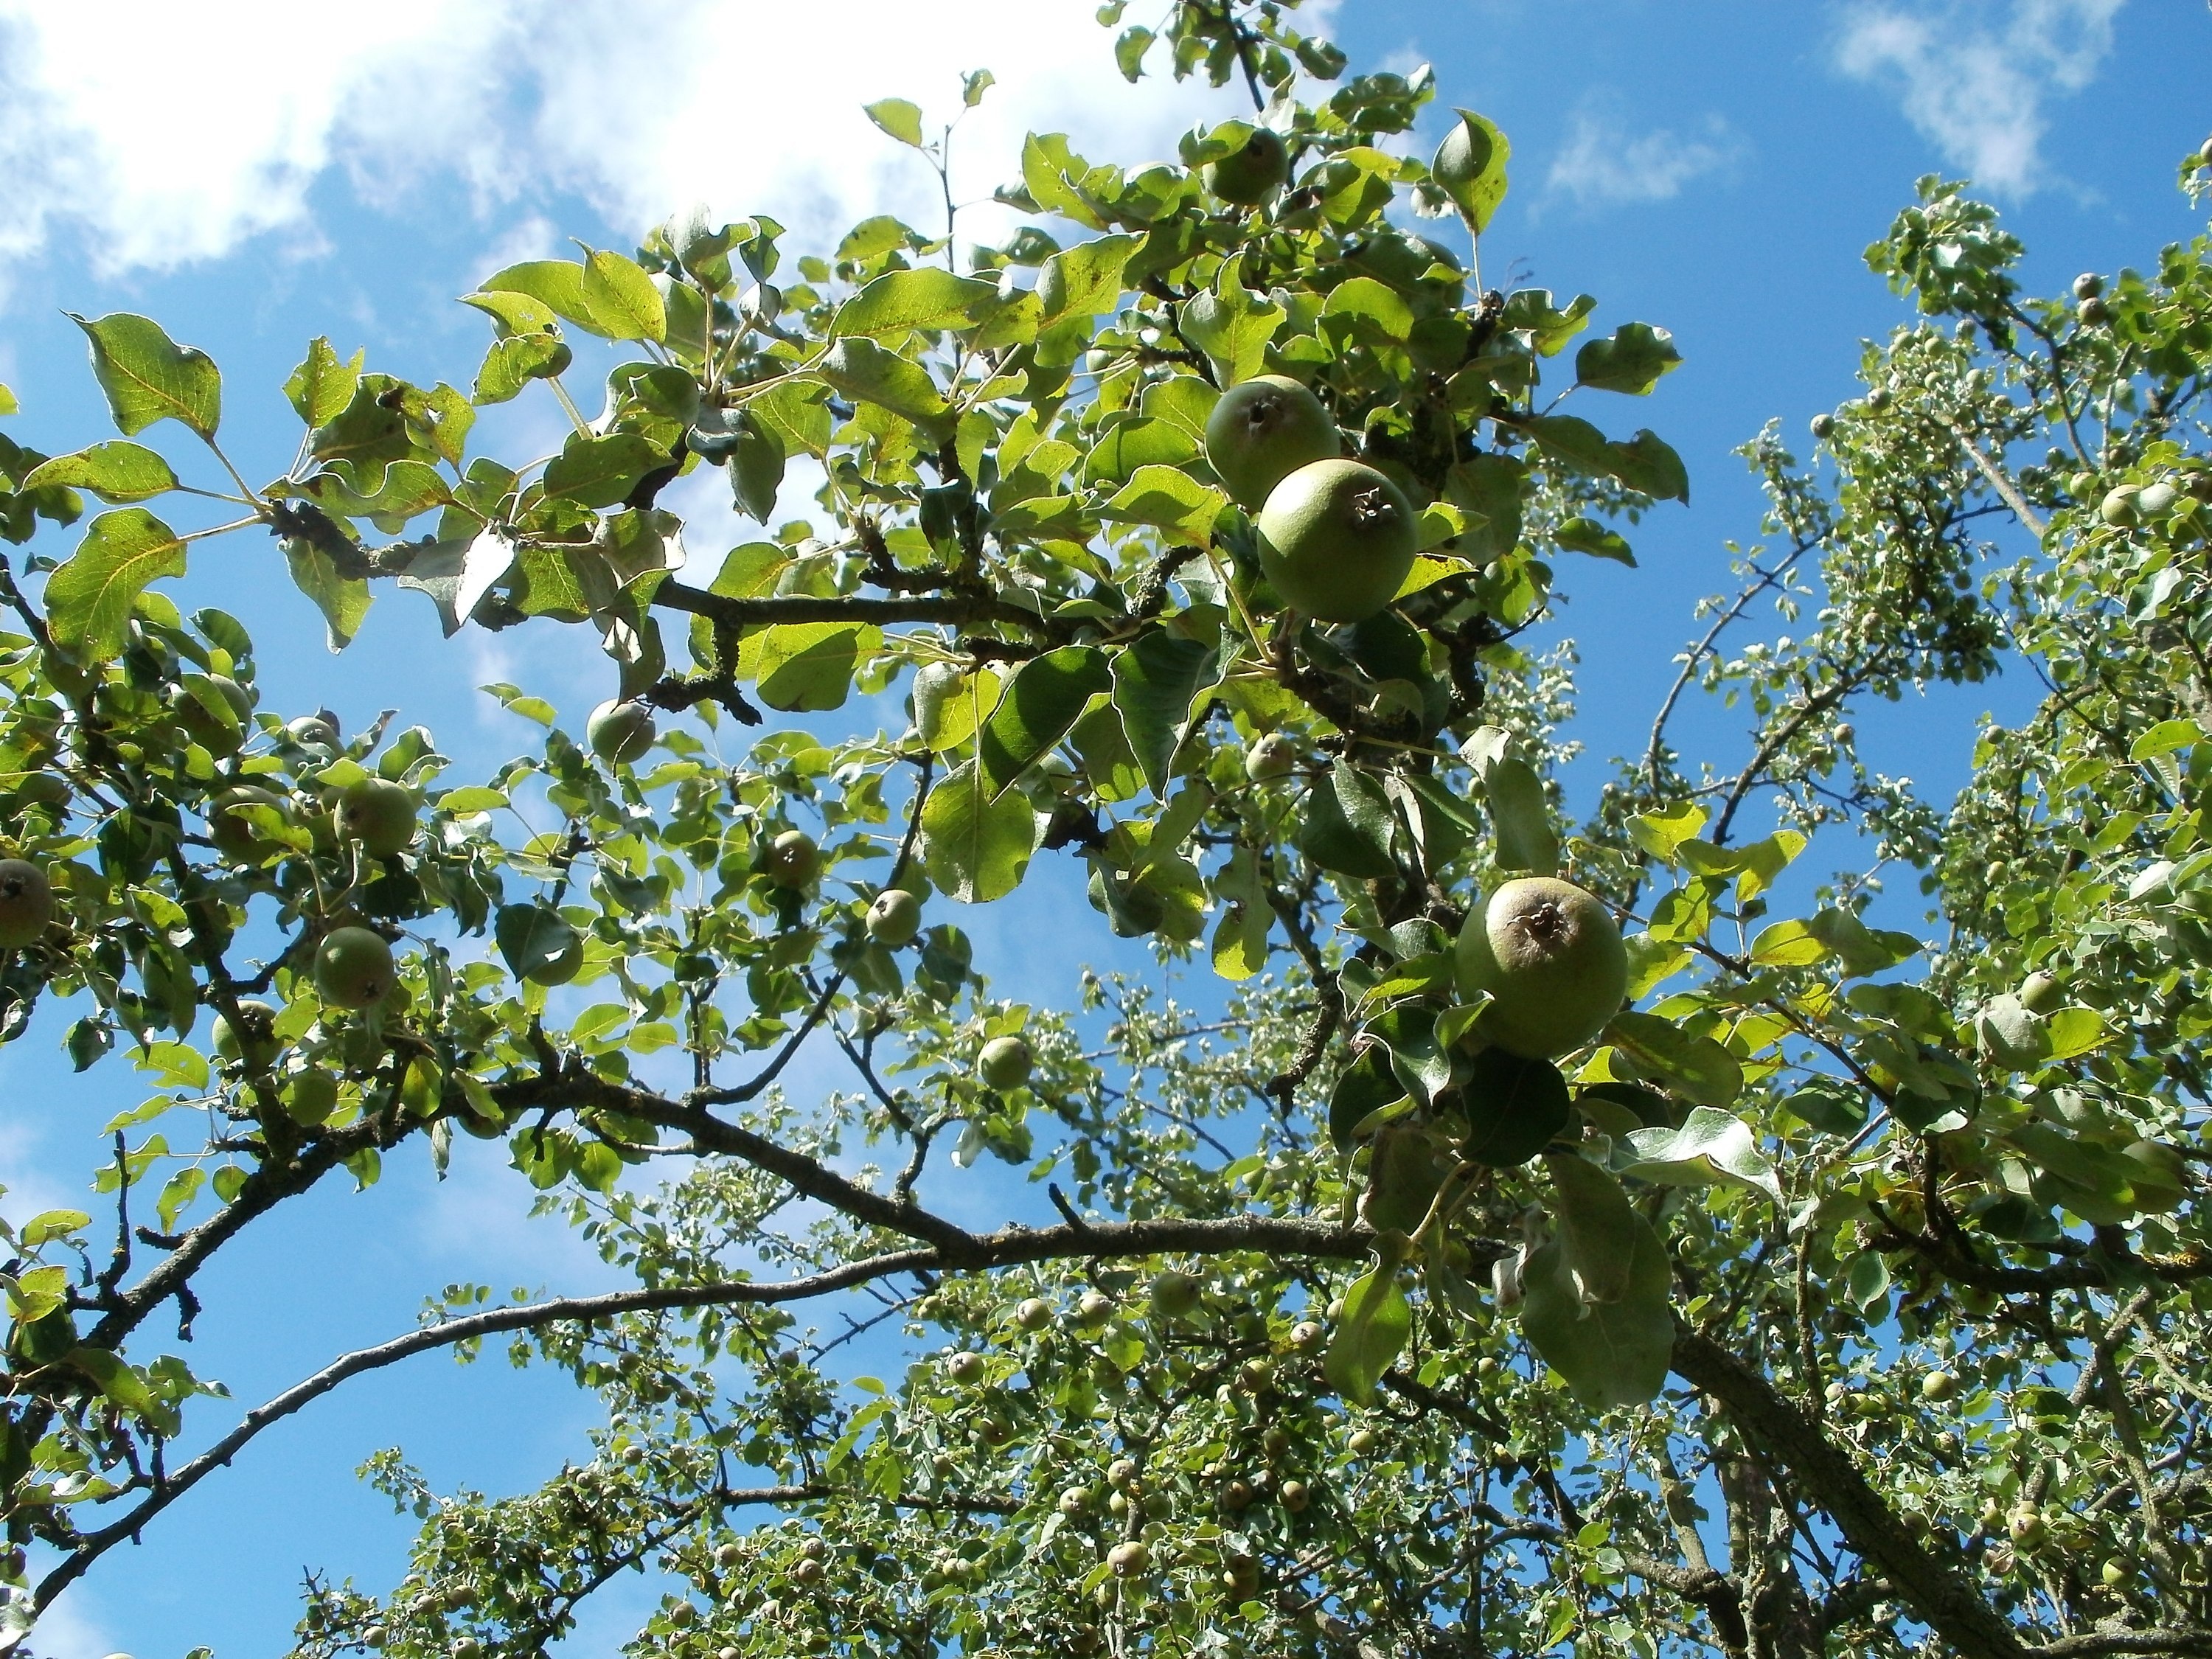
1760,1216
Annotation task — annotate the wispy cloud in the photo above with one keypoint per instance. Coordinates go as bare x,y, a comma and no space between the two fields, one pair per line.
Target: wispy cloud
164,135
1606,164
1974,76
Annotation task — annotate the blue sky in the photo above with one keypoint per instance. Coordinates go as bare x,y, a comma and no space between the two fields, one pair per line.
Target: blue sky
254,175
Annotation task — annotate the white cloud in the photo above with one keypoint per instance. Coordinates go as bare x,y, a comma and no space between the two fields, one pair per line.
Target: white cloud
1974,75
1603,164
164,134
70,1629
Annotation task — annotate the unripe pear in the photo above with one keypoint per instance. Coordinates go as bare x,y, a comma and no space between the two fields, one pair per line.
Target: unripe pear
1093,1309
311,1096
1271,757
1129,1559
2039,993
792,859
1550,956
894,918
1939,1386
1294,1496
249,1042
2155,501
1175,1293
965,1367
2118,508
619,732
1034,1315
1263,430
2091,312
209,729
1248,175
354,968
2088,285
1122,1473
1005,1063
27,902
379,814
1823,424
1337,540
1362,1442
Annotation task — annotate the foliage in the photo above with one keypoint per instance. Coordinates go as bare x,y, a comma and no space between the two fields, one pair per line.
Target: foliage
1837,1294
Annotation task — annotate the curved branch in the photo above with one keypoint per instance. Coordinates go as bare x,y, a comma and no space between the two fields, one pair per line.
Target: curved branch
1008,1247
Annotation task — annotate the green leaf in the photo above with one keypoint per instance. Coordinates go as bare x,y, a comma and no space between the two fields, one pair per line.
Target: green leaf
512,363
1085,280
898,118
149,377
1348,825
554,283
1380,311
118,472
924,298
530,936
1470,167
122,1385
1597,1227
1646,463
90,596
601,472
1514,1107
1611,1353
1787,945
1660,833
1585,535
1523,838
1372,1332
1156,681
1140,443
1711,1145
1364,1088
2075,1032
1632,360
1048,695
1695,1067
622,298
343,600
1232,327
974,847
809,665
865,372
323,384
7,403
1170,498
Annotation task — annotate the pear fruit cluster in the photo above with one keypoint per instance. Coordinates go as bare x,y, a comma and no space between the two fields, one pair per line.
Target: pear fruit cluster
1337,537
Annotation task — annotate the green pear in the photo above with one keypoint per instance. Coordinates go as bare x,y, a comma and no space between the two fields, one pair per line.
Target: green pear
790,859
894,918
1005,1063
27,901
1552,958
377,813
354,968
619,732
1336,540
1247,176
1271,757
251,1042
1262,431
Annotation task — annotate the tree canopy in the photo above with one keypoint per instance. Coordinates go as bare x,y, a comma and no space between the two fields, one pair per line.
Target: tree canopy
1453,1276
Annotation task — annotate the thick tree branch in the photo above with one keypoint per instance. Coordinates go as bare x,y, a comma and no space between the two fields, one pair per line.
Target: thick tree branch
1934,1588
